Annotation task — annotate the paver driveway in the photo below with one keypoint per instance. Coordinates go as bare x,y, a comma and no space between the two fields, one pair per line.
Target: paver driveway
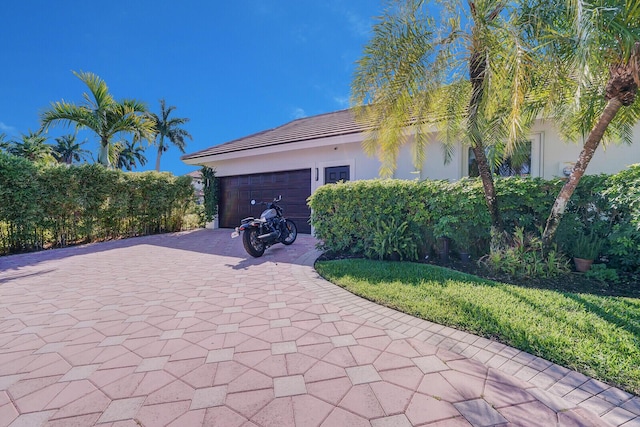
186,330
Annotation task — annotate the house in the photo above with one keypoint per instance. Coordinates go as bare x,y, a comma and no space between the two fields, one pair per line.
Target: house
294,159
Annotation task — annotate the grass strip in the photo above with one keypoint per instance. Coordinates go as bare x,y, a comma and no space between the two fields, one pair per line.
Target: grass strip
596,335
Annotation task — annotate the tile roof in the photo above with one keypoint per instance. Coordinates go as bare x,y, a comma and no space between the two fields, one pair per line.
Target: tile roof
321,126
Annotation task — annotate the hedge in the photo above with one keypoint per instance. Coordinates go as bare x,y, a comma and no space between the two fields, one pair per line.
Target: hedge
357,217
43,207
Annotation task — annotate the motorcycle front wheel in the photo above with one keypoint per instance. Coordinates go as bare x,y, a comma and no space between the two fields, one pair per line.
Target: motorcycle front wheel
254,246
293,233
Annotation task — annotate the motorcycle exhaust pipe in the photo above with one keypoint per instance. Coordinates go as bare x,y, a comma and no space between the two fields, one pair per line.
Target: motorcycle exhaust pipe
268,236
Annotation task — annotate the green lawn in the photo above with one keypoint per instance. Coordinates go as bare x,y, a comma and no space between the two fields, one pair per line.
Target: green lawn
596,335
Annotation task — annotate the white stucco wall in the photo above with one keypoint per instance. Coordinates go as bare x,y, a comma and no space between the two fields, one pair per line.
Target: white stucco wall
614,158
549,155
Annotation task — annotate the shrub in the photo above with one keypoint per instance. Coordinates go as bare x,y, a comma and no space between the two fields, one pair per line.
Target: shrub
60,205
346,216
210,191
525,257
623,193
20,209
602,273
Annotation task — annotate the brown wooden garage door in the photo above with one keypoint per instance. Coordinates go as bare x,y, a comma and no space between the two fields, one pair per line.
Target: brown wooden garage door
236,193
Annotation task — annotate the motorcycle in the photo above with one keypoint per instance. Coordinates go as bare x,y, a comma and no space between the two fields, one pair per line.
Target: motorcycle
271,228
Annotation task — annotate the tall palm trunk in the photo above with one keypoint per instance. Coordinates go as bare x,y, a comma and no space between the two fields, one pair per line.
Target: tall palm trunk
588,150
477,68
621,91
160,151
103,154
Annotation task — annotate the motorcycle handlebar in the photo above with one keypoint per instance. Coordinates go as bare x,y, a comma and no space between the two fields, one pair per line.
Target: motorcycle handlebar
275,200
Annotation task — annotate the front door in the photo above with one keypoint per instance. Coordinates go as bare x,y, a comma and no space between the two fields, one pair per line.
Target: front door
335,174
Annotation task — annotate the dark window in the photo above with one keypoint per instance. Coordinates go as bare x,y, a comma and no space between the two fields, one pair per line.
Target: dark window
518,164
335,174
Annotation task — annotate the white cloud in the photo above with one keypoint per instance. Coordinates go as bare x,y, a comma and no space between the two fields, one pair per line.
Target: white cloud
342,101
259,8
360,26
298,113
6,128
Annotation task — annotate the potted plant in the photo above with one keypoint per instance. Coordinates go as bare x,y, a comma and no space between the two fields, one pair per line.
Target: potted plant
461,238
443,230
586,248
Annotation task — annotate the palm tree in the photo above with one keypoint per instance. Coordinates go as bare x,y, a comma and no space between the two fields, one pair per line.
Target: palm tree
33,147
594,49
169,128
68,150
101,113
129,154
466,76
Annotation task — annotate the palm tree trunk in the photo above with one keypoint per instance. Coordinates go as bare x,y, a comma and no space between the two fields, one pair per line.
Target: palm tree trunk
158,159
490,196
477,67
588,150
160,150
103,154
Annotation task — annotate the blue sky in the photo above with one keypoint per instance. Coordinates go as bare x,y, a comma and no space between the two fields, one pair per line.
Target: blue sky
233,68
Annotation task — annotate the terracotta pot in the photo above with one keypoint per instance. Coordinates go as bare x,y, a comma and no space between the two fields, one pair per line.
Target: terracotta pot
582,264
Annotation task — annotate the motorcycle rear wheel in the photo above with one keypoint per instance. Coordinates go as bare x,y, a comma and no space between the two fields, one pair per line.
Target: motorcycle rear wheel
254,246
293,233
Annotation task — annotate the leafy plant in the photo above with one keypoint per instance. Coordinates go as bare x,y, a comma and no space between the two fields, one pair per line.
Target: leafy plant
393,241
587,246
524,256
623,192
624,247
210,190
602,273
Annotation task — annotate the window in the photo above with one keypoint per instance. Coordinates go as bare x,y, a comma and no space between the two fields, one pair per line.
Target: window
518,164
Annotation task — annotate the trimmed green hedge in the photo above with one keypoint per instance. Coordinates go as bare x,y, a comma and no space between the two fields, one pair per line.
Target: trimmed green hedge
355,217
56,206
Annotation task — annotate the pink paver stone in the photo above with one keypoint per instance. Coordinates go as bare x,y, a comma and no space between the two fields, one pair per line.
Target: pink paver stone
277,413
79,373
283,347
220,355
362,401
363,374
392,421
122,409
208,397
289,386
429,364
343,340
152,364
310,411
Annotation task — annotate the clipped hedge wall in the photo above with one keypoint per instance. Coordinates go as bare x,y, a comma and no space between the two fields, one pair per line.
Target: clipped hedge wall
346,215
353,217
58,206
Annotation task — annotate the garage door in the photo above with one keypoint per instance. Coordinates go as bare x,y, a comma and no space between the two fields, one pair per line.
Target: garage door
236,193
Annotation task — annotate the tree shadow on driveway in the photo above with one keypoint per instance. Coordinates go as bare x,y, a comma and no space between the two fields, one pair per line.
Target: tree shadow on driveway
216,242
